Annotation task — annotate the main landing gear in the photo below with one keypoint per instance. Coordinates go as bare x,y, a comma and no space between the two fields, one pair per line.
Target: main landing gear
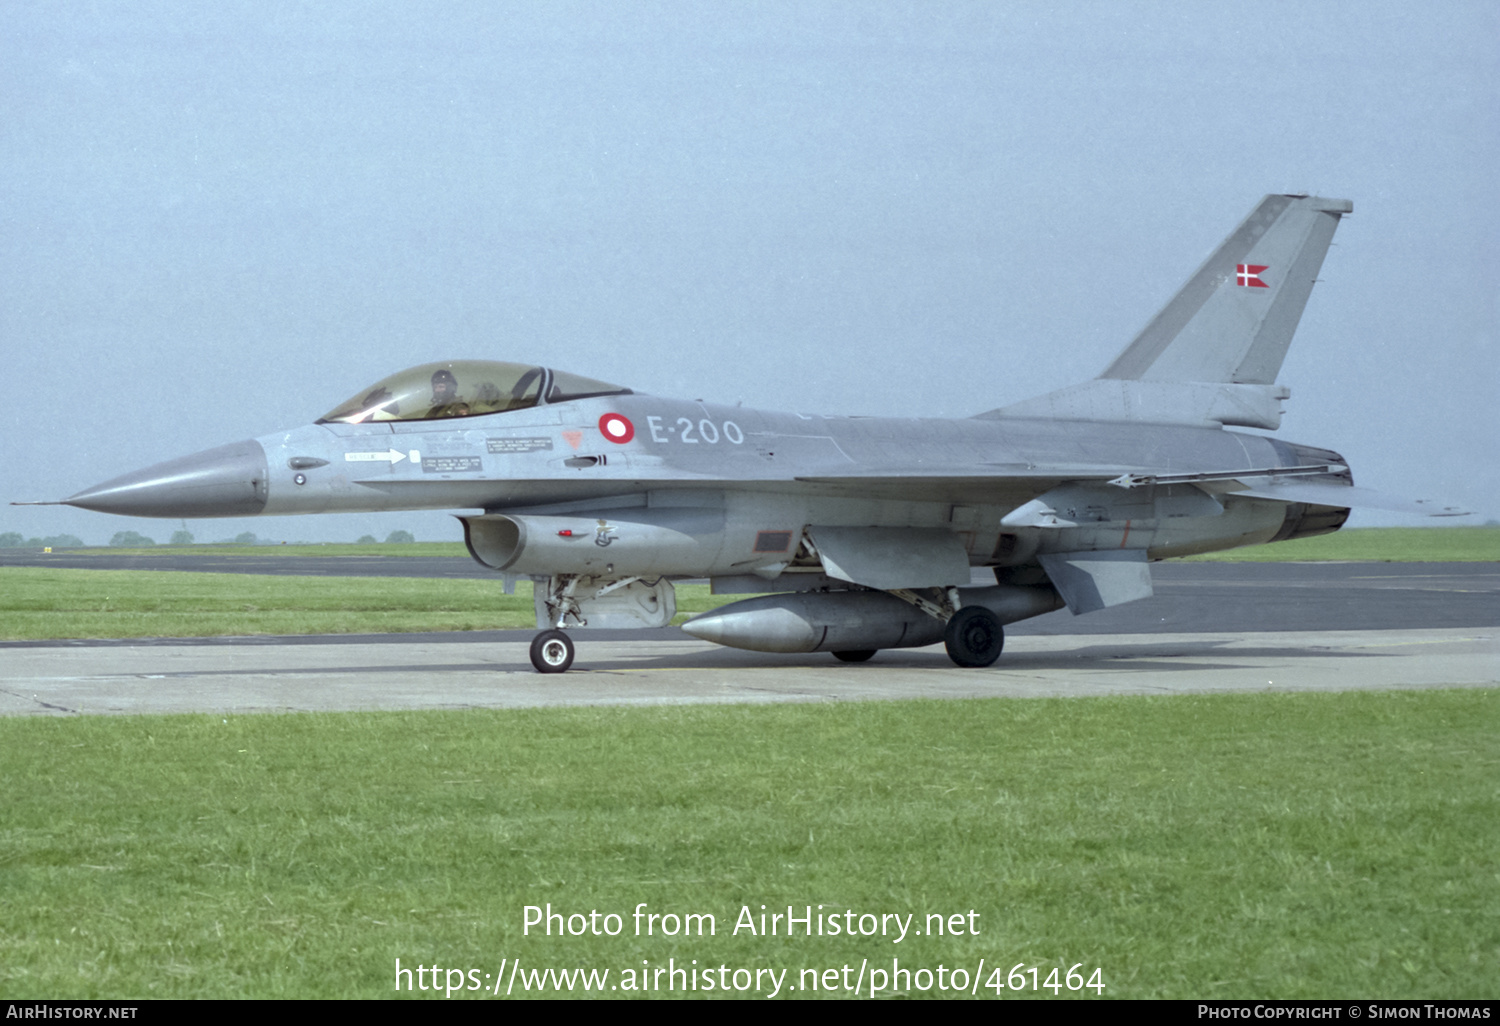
974,637
552,651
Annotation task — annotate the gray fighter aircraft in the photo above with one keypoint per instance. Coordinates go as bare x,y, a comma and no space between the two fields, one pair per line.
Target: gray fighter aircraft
855,533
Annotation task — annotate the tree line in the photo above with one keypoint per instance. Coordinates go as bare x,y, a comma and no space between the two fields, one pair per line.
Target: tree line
136,540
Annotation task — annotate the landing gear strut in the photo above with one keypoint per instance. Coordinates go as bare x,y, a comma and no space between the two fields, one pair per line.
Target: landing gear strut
974,637
552,651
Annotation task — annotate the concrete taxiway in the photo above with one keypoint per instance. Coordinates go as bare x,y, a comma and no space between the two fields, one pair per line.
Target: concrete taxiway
309,677
1211,627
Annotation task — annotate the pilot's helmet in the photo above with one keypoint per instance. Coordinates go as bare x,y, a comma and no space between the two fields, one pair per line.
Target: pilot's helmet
444,376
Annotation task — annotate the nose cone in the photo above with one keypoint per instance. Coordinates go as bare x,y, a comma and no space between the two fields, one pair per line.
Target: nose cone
229,481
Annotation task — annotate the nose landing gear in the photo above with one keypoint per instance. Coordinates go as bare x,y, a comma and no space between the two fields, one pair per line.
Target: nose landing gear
552,651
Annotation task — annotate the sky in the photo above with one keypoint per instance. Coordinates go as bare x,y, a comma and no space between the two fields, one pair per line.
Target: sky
223,220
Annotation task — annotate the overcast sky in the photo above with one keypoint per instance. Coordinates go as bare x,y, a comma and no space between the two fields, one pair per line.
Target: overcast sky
223,219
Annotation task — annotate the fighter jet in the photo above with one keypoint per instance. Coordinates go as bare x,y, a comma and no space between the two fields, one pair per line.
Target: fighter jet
854,533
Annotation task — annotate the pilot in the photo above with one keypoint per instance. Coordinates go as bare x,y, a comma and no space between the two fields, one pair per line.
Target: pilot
445,395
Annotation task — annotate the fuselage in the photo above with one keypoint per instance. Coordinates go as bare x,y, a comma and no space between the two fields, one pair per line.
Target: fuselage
750,475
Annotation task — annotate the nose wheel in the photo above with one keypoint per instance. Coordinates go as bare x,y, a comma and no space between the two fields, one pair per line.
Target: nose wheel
552,651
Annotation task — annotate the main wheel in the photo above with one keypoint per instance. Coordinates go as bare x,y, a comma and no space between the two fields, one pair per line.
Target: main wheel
551,651
974,637
858,655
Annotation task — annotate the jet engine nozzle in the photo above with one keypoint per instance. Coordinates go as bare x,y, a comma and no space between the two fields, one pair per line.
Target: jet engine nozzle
228,481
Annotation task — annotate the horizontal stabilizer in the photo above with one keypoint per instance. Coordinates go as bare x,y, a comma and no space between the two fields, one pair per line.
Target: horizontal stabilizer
1325,494
1089,581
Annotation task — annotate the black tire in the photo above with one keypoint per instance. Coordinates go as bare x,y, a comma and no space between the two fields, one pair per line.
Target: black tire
858,655
551,652
974,637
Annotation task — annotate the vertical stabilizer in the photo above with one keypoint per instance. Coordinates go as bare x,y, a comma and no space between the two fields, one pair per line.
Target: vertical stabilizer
1233,320
1212,354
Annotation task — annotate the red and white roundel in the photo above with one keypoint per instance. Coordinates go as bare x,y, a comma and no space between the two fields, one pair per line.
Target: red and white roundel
616,428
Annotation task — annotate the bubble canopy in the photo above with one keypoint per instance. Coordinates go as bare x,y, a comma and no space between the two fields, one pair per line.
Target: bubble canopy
465,388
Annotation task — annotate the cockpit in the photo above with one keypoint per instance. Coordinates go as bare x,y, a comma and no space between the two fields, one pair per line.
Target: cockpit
465,388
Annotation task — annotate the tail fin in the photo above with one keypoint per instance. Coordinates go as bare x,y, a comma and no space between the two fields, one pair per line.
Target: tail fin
1233,320
1212,354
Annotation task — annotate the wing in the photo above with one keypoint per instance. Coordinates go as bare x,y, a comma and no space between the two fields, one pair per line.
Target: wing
1002,484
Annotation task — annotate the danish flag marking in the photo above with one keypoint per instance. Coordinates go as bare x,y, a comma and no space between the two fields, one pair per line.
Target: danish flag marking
1249,274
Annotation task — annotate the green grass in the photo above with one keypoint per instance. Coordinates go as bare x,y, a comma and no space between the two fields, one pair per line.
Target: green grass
1376,544
1310,845
38,603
